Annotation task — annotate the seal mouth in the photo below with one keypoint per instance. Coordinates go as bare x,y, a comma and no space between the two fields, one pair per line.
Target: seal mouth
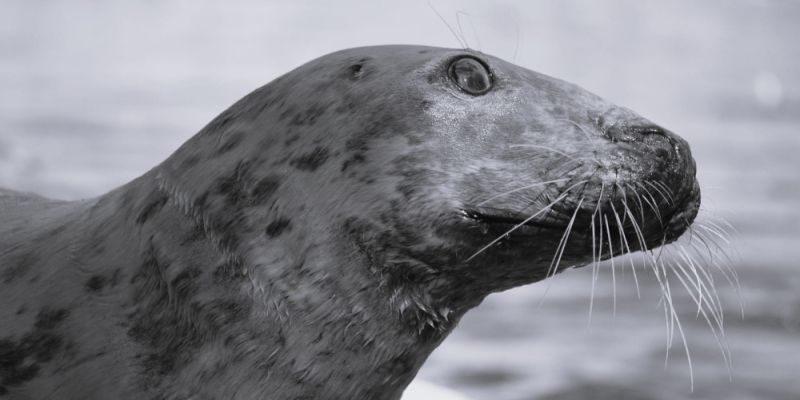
591,225
501,218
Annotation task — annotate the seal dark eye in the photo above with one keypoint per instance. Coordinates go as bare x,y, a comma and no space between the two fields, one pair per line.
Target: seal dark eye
471,75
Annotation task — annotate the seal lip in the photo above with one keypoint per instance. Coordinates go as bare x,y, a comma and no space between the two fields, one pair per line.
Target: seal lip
450,74
499,217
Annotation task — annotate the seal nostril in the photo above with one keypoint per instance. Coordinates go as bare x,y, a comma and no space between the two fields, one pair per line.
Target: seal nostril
627,133
649,130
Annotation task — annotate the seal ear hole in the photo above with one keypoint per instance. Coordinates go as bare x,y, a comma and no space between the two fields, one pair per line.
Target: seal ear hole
355,69
471,75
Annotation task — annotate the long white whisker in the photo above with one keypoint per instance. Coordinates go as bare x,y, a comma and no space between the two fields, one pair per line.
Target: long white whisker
533,185
460,41
613,274
627,247
536,146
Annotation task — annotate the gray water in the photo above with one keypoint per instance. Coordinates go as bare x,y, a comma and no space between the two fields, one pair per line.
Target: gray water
93,94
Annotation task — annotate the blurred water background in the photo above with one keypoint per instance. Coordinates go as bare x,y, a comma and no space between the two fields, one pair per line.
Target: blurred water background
93,94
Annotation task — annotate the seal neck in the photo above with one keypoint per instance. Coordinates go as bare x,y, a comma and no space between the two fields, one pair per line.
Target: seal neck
291,317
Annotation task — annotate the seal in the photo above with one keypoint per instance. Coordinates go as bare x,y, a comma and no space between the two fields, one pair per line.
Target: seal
319,238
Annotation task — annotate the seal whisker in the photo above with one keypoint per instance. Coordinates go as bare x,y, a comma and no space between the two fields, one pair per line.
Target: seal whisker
537,146
713,302
595,258
474,31
652,203
677,323
716,233
551,271
624,193
721,223
711,259
624,240
673,314
666,189
725,263
667,198
710,238
642,242
703,293
723,231
709,286
533,185
640,206
613,273
662,278
579,126
562,244
518,40
461,41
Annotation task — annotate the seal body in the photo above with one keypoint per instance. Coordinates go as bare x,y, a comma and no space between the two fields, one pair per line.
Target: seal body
319,238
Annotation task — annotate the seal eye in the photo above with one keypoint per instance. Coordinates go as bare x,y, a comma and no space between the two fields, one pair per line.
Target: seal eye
471,75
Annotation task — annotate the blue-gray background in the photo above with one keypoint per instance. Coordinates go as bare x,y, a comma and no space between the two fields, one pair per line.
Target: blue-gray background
94,93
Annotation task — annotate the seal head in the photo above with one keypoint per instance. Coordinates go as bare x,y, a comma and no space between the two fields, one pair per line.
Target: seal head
459,170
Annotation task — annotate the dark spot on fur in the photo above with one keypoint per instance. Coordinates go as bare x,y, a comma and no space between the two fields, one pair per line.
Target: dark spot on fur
423,52
171,322
50,318
225,229
357,158
115,277
222,312
21,310
15,368
264,189
185,283
285,111
231,142
56,231
156,324
190,161
20,359
195,234
156,202
18,268
311,160
292,139
96,283
309,116
278,226
232,187
227,272
357,144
